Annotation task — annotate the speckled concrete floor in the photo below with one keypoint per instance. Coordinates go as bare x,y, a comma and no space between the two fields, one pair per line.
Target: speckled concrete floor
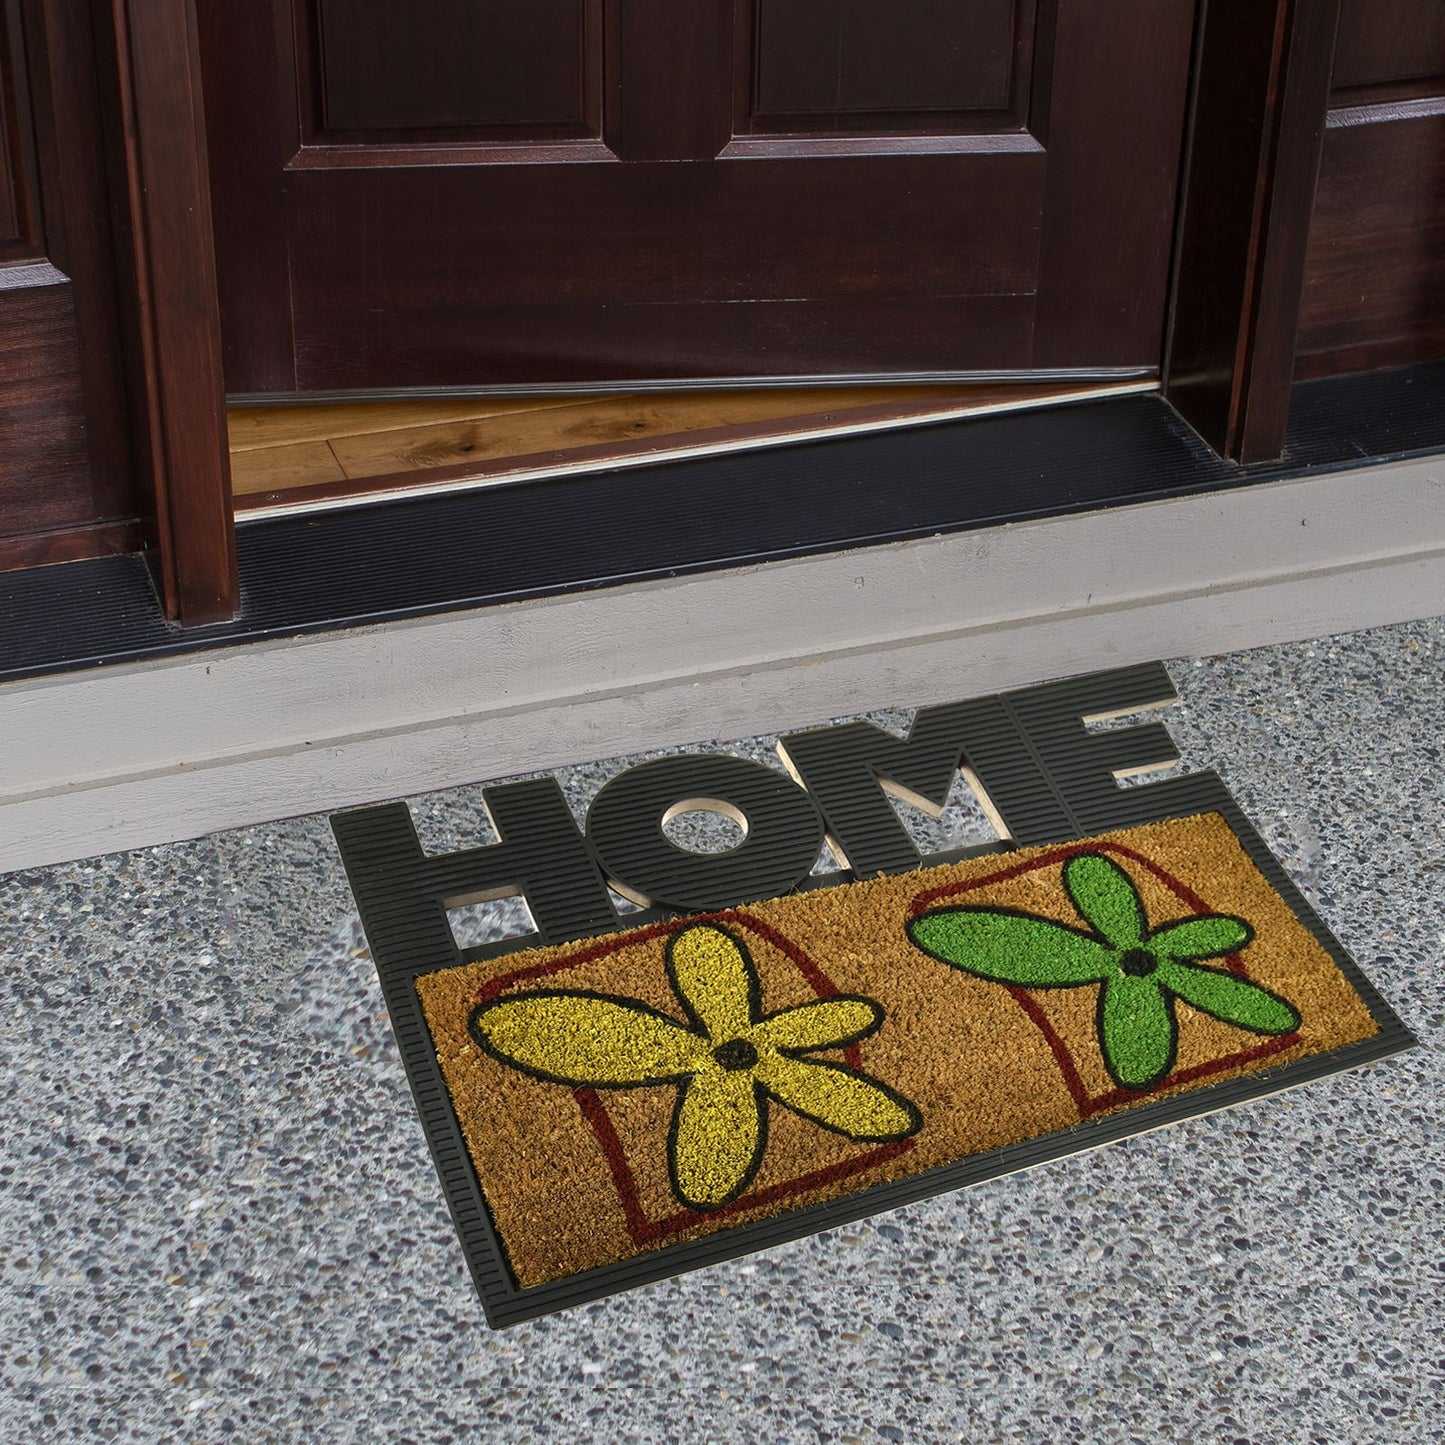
218,1220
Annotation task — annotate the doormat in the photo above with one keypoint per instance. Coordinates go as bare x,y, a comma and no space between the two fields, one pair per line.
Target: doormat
760,1053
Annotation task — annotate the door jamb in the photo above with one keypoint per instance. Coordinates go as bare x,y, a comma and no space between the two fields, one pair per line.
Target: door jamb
1247,189
168,286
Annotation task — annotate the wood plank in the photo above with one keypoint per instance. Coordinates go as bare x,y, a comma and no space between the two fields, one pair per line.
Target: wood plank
634,430
633,419
257,427
271,469
269,426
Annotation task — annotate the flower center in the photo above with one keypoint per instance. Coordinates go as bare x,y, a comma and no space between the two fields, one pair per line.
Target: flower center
736,1055
1138,963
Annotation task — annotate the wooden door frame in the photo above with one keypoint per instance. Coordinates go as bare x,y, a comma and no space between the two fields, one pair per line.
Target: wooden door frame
1257,114
1247,190
169,303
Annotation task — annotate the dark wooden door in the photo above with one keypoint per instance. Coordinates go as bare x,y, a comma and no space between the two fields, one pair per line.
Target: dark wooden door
66,480
532,192
1375,282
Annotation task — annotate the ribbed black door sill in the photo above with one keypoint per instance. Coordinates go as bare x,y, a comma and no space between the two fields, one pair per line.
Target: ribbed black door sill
473,548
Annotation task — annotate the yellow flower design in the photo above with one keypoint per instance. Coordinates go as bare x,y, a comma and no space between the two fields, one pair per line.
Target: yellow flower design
728,1061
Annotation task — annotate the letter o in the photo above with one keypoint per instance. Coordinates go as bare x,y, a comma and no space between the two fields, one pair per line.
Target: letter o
783,832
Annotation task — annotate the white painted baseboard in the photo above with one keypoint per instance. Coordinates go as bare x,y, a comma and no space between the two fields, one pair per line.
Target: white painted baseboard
112,758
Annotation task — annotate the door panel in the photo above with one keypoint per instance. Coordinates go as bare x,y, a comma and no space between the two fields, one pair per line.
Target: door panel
20,237
657,192
505,69
1389,43
909,65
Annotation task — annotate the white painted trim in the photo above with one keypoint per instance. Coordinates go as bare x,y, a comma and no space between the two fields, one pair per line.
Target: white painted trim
126,756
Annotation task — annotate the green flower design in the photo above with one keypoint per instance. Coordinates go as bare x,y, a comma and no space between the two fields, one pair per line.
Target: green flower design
1141,970
727,1062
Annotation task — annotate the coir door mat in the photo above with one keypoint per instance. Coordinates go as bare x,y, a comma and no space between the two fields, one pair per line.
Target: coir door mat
639,1100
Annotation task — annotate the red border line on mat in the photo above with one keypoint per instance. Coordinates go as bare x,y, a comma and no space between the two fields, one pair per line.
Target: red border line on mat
1086,1103
646,1231
642,1229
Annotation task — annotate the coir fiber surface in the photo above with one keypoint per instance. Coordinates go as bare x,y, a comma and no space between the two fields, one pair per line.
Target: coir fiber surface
694,1076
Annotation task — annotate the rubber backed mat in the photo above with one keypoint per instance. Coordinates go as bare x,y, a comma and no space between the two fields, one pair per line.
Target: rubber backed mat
760,1053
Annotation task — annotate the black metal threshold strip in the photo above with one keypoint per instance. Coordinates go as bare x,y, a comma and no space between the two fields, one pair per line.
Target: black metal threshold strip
467,549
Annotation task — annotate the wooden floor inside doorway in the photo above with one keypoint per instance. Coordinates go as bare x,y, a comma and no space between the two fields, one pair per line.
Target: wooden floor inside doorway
291,456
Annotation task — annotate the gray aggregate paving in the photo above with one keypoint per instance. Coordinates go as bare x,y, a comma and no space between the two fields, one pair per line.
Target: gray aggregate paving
218,1220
